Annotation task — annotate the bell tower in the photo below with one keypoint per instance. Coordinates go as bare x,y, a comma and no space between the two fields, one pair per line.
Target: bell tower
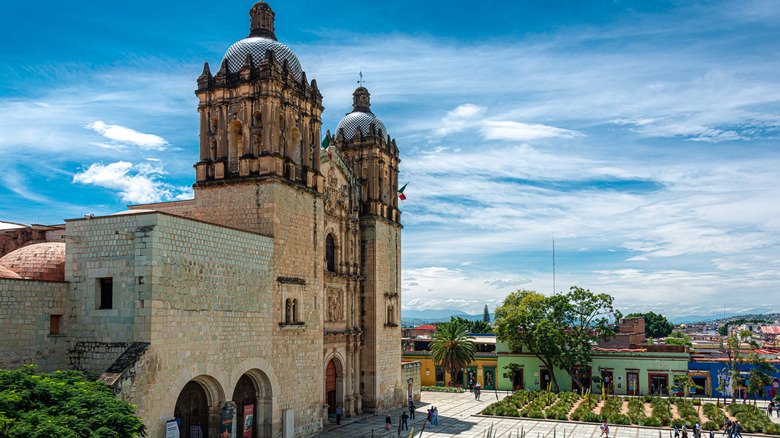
363,141
259,116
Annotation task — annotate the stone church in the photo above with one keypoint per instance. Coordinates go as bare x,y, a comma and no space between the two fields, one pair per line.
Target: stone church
274,292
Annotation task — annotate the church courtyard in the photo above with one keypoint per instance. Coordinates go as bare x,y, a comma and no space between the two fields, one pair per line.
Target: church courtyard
457,419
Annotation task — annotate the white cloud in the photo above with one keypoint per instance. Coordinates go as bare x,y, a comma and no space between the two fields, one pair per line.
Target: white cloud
508,130
138,184
127,135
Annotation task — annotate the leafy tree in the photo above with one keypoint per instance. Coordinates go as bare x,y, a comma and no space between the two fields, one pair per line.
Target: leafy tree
471,326
452,348
656,325
678,337
486,314
736,361
760,375
62,404
685,383
559,329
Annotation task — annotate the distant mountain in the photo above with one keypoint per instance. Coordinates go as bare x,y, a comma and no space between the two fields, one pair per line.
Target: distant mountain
417,317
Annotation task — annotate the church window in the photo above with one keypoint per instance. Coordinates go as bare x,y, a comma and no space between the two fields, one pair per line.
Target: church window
257,118
288,314
105,293
330,253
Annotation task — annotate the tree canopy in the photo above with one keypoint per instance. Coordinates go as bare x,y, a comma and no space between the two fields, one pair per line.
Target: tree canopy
470,326
678,337
558,329
452,348
656,325
62,404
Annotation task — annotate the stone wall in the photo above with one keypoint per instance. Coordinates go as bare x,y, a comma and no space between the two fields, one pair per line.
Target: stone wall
411,371
179,208
25,324
14,238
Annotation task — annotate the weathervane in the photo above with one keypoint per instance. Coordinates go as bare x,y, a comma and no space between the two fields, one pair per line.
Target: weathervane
361,81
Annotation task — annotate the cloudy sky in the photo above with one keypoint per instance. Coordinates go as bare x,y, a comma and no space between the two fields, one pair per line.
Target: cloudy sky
642,135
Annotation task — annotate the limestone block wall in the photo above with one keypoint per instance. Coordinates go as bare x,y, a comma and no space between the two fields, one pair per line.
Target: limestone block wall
381,245
26,307
411,371
179,208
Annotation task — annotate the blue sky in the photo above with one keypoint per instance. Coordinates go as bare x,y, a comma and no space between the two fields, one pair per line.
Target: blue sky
642,135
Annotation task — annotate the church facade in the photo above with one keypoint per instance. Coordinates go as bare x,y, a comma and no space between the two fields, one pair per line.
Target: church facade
273,296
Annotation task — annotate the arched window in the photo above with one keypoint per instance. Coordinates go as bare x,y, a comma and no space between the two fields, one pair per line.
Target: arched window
288,314
330,253
257,118
295,146
213,124
390,319
295,311
235,144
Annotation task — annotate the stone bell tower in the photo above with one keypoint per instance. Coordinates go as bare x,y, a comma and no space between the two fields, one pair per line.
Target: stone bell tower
363,141
259,116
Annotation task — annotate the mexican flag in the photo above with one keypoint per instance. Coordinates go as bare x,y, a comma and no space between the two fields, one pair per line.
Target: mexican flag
326,145
401,195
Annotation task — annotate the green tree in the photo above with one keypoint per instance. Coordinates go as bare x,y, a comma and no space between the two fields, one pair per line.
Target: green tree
471,326
656,325
486,314
62,404
559,329
736,361
678,337
452,348
760,375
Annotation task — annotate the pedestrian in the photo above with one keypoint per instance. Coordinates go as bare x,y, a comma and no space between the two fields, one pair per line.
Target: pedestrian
604,429
404,425
697,430
726,427
435,416
429,419
411,410
471,385
737,429
685,431
712,434
338,414
388,421
676,430
769,409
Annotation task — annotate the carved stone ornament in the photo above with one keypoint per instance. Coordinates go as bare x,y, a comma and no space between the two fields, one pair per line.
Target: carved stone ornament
335,305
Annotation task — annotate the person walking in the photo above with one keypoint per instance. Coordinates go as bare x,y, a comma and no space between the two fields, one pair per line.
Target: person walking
411,410
697,430
685,431
338,414
388,421
727,427
429,418
435,416
737,429
404,425
477,391
676,430
770,408
604,430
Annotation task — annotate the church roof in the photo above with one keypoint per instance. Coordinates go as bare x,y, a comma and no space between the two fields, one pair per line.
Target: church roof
351,121
39,261
236,54
7,273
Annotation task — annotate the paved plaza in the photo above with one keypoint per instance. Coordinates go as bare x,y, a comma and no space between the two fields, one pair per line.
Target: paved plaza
457,418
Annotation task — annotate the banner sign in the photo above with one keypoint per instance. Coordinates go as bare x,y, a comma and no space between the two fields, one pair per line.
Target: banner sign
249,419
226,428
172,428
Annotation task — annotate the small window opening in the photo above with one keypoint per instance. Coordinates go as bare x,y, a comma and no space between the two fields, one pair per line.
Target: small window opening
55,324
105,293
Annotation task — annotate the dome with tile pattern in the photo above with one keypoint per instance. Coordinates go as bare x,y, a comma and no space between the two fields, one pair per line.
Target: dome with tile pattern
39,261
236,54
362,116
7,273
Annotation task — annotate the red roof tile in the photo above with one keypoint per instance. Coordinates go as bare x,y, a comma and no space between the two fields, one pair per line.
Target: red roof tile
7,273
39,261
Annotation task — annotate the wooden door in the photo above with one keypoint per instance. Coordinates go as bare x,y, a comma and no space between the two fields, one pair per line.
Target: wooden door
330,386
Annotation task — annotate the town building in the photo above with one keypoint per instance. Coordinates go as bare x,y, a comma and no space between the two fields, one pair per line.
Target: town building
271,298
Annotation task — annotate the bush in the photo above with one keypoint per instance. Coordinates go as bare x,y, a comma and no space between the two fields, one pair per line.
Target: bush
618,419
441,389
710,425
636,410
650,422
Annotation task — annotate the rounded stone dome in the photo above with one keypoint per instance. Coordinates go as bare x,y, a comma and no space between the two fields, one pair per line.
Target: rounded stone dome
7,273
356,118
236,54
39,261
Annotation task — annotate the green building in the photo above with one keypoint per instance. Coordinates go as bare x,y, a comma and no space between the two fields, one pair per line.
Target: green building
641,370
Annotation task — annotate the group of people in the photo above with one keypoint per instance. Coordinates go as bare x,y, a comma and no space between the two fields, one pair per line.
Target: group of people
476,388
773,407
431,421
696,431
733,429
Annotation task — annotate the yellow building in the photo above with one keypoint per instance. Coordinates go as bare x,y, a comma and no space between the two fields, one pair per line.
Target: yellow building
482,369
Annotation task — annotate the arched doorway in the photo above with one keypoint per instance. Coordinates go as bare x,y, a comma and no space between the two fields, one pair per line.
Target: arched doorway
334,385
254,404
192,409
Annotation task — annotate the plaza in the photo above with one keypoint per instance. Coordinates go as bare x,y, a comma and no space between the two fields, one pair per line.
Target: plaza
458,417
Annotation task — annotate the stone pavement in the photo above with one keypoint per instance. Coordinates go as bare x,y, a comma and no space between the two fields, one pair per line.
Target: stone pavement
456,418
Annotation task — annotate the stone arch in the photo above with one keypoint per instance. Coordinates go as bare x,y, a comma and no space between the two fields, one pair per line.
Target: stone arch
253,393
211,377
235,144
295,146
262,375
333,388
200,403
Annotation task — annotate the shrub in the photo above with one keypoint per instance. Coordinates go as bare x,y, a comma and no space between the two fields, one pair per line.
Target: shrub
441,389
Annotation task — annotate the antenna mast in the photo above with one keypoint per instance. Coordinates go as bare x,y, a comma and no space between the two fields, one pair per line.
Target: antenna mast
553,247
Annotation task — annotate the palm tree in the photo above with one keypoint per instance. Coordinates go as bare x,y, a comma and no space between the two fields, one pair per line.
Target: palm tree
452,348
